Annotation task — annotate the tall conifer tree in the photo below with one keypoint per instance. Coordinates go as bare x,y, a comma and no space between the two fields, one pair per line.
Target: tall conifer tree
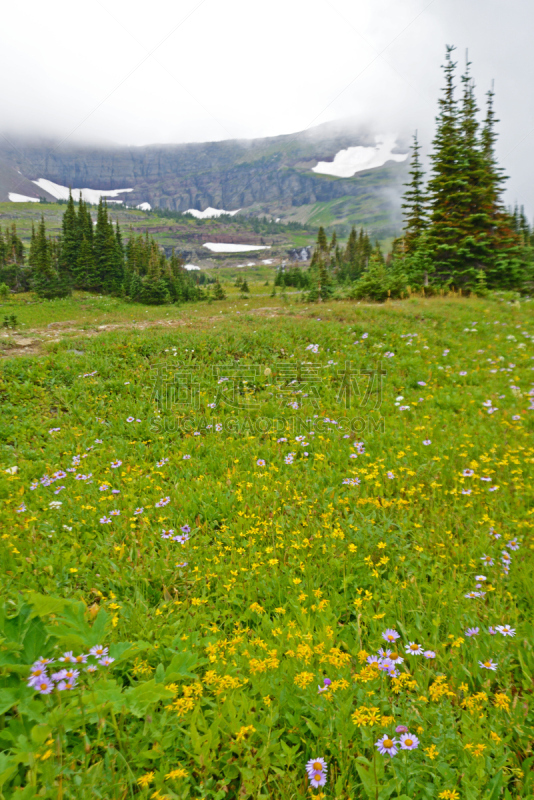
414,205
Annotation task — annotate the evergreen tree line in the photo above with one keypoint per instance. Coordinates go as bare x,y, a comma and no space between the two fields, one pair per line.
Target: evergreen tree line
93,257
457,232
360,267
12,273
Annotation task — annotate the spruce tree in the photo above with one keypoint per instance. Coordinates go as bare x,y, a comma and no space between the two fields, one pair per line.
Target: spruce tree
511,264
87,276
70,242
218,291
448,181
322,243
47,279
414,205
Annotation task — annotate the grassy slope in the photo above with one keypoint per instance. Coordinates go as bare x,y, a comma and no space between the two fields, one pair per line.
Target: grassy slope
291,575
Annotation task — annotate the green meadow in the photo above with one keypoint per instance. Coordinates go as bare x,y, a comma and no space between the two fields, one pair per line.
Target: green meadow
243,537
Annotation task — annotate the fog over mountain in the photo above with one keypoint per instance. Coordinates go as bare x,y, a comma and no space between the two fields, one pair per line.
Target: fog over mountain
197,70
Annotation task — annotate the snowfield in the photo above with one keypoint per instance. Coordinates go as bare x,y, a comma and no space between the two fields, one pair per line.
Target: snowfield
190,267
89,195
144,206
348,162
21,198
222,247
210,213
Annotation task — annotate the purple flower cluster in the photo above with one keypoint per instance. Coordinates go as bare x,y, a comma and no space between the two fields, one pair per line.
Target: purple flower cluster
66,678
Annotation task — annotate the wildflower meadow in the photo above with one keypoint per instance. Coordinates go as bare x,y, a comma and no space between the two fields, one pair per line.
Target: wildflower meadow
274,551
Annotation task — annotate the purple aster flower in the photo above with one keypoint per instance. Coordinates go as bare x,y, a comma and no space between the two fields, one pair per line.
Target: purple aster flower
427,442
106,661
185,529
390,635
66,685
37,673
98,651
467,473
414,649
182,565
472,632
373,660
104,520
260,462
488,664
44,686
487,560
492,630
68,657
114,513
421,383
401,729
513,544
391,475
163,502
115,491
186,457
92,668
387,746
516,417
462,373
506,630
103,488
41,662
139,510
129,419
408,741
429,654
166,534
116,464
315,765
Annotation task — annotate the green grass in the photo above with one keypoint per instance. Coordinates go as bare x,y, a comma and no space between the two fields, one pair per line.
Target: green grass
292,575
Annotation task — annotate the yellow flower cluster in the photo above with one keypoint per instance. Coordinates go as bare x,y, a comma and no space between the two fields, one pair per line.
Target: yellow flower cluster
244,731
440,688
257,665
303,679
371,715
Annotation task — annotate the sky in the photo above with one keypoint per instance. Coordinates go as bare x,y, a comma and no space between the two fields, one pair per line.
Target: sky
164,71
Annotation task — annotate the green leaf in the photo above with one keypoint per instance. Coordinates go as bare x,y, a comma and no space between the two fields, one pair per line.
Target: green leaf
139,699
8,767
159,675
40,733
181,666
43,604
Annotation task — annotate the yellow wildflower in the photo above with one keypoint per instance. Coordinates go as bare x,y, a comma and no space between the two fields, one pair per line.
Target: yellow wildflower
174,774
146,779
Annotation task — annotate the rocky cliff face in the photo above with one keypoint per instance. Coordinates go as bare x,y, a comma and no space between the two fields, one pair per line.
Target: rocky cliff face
271,173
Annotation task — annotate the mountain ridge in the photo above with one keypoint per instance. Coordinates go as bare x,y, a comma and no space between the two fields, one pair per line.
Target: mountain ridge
271,176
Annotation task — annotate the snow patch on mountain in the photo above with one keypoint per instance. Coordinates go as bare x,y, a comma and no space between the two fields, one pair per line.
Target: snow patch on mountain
21,198
88,195
222,247
210,213
144,207
348,162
